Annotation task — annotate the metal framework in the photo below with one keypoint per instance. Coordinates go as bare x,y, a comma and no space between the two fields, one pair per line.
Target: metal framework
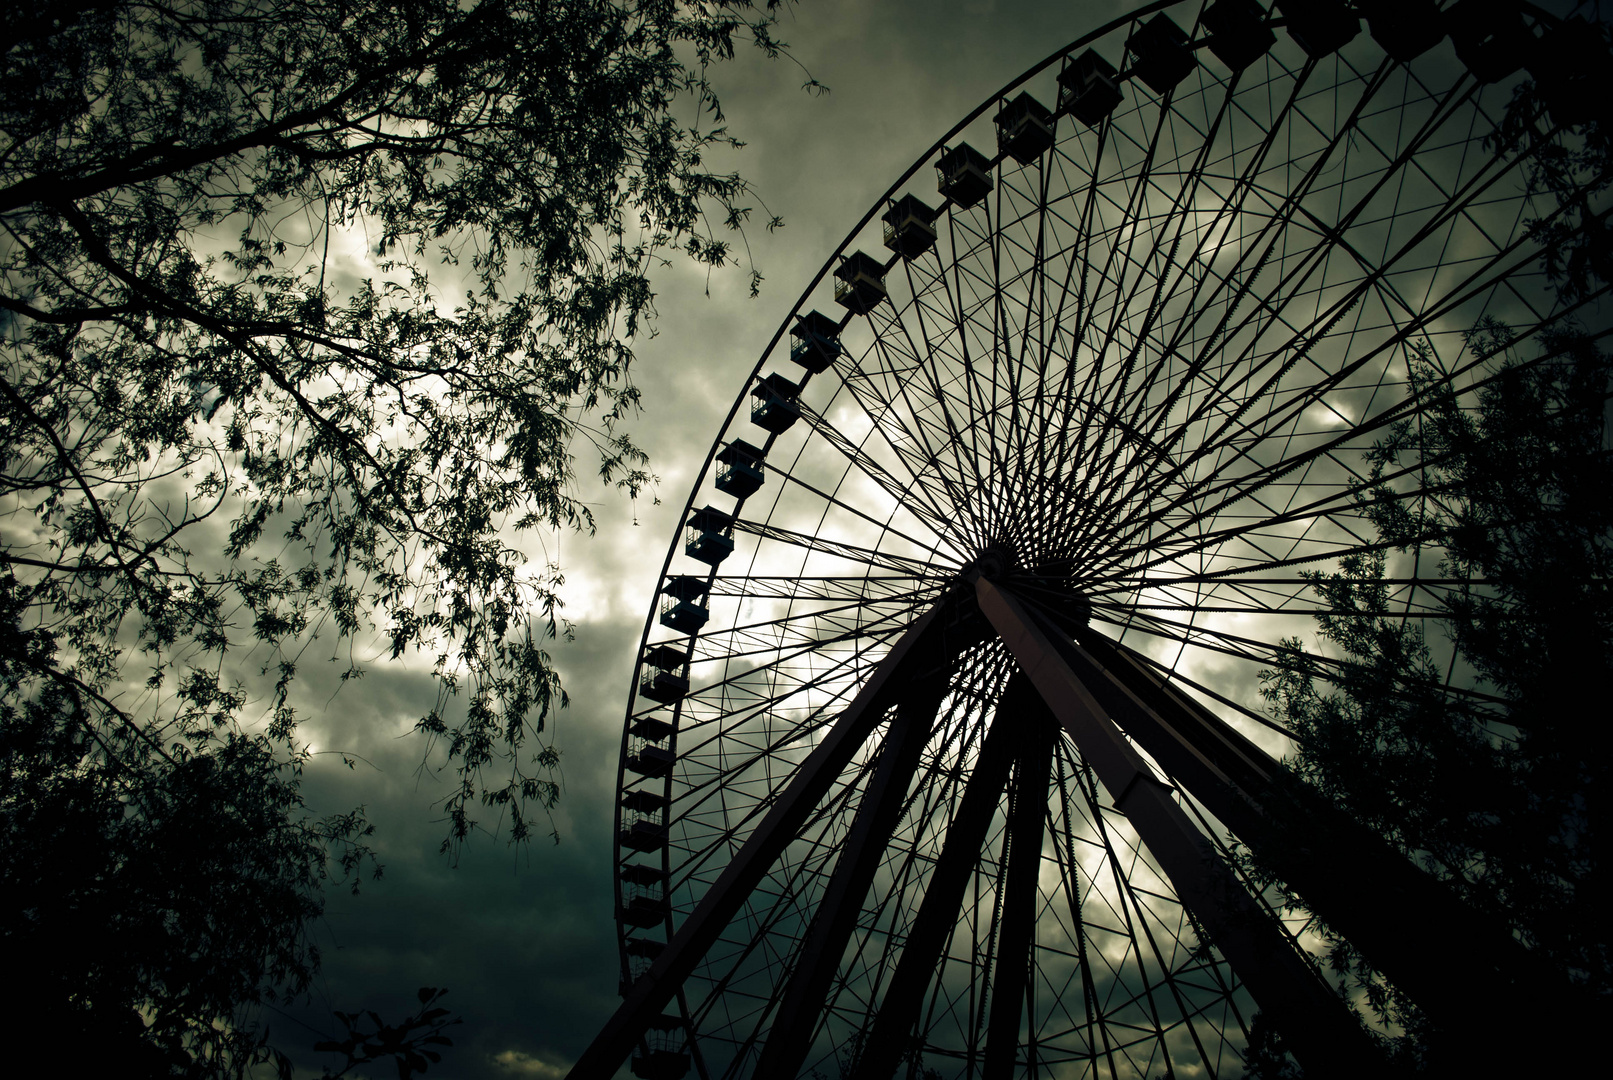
950,699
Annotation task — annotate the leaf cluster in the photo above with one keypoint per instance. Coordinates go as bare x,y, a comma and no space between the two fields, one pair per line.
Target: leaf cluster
1489,778
227,428
307,308
407,1045
152,892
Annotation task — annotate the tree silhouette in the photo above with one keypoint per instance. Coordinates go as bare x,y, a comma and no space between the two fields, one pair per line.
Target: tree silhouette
240,428
1494,786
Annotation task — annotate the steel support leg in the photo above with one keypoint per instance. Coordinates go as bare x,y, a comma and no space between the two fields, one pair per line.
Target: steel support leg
913,653
1016,932
1349,876
1319,1028
890,1036
790,1038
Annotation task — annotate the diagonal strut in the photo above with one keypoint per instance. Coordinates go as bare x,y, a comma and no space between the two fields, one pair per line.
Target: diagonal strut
1321,1031
914,654
791,1035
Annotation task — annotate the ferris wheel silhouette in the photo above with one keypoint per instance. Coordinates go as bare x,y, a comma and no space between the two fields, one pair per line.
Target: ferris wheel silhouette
945,715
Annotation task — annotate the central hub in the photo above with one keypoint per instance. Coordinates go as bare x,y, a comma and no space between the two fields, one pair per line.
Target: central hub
995,562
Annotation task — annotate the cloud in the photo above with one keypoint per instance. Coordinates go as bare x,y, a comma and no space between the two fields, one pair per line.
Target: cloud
540,1067
525,940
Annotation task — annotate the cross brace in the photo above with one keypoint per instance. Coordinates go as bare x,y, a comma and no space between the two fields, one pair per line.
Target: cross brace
790,1037
1377,899
889,1038
1035,731
1322,1033
917,651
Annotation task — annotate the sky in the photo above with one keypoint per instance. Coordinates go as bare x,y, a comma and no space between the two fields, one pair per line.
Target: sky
524,937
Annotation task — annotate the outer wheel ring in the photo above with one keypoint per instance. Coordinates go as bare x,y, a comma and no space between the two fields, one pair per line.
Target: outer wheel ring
1174,579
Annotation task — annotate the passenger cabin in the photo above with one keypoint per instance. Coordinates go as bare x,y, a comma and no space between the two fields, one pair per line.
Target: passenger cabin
647,948
679,610
1161,57
644,836
1320,27
817,341
1024,129
775,408
1574,74
1492,41
648,727
963,175
1405,29
651,761
708,537
645,911
1238,32
908,227
660,1054
739,471
860,282
666,656
643,802
1090,88
640,874
663,686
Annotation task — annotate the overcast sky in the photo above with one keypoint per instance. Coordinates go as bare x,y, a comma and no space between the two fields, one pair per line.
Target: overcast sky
524,938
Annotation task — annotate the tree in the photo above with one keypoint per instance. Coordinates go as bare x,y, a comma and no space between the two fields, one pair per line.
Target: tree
239,430
1490,779
151,889
1498,791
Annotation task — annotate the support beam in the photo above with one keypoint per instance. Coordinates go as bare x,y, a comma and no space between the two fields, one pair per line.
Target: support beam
1319,1028
1016,932
1380,901
899,1006
916,652
790,1038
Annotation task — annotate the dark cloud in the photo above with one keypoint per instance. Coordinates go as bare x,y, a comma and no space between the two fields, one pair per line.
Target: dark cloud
525,938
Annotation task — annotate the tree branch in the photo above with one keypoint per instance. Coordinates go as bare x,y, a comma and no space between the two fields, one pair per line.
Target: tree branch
165,159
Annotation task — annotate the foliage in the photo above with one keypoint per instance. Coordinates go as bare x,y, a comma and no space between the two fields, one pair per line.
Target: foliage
1568,157
408,1045
1267,1057
243,426
149,890
1489,780
196,365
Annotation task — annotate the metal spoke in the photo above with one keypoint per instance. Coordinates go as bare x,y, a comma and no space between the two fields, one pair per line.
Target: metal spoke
1135,376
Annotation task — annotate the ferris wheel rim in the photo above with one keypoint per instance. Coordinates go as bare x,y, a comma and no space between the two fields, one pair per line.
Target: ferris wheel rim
883,200
801,301
852,237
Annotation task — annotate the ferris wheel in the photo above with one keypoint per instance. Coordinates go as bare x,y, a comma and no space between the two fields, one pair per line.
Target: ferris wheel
947,706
